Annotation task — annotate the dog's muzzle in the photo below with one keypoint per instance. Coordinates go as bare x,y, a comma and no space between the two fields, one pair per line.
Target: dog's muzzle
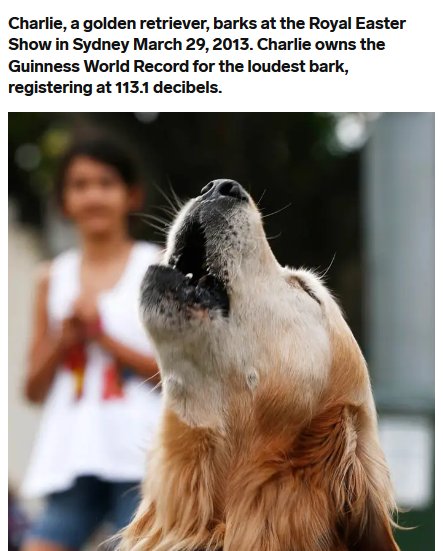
195,276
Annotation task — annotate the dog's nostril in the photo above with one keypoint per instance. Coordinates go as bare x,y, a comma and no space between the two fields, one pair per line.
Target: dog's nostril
229,188
223,188
226,188
207,188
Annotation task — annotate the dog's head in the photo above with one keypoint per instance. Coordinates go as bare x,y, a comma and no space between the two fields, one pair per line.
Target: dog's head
269,433
226,317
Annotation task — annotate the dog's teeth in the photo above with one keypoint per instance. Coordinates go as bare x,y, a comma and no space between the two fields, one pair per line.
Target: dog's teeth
189,276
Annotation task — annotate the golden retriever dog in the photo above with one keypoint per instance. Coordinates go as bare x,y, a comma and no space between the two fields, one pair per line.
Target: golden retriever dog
269,432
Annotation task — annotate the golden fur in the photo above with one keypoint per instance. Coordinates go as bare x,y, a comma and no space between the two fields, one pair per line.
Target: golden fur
269,435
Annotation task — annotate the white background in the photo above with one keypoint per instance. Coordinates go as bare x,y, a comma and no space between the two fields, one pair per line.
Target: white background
406,77
400,79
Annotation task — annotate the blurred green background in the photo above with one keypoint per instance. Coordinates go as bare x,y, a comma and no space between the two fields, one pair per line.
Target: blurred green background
283,158
352,194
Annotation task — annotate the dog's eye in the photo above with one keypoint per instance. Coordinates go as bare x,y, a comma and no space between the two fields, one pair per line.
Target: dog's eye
296,281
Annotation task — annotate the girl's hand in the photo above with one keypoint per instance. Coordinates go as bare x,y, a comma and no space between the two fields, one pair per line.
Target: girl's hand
72,333
86,311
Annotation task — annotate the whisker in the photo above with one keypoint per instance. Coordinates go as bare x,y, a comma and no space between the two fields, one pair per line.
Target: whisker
165,209
153,217
276,236
277,211
161,229
322,275
177,199
159,384
144,381
261,197
174,207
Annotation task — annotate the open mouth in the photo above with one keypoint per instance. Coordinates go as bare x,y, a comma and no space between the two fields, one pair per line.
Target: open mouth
190,258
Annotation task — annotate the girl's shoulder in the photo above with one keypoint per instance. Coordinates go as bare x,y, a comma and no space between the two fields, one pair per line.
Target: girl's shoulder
64,261
60,267
42,275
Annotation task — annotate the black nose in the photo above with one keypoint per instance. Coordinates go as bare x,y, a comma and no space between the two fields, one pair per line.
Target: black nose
224,188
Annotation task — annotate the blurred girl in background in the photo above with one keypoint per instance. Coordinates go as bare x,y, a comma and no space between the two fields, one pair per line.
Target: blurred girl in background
90,362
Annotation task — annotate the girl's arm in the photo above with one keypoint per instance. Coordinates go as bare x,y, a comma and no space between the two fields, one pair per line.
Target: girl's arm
85,309
46,349
143,365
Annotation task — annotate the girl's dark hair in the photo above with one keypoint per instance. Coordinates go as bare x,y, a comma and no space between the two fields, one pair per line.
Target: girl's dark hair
104,150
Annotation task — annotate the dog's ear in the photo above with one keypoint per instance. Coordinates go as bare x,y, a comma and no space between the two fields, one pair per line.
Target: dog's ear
365,496
361,488
377,534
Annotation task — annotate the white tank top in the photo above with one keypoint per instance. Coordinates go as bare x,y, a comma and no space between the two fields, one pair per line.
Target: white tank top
94,421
